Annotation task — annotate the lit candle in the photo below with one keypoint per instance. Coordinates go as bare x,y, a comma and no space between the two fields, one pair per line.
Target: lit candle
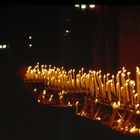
114,112
109,90
73,84
123,79
113,84
77,82
128,75
44,92
127,92
107,77
100,85
91,86
137,82
138,86
95,82
82,71
135,98
87,82
74,77
131,92
50,99
76,105
61,100
134,130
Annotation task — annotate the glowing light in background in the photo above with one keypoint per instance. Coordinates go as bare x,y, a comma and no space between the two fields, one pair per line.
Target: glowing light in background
67,31
30,37
83,6
77,5
30,45
4,46
92,5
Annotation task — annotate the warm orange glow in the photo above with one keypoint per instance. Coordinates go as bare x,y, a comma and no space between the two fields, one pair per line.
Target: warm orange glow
133,129
118,91
119,120
44,92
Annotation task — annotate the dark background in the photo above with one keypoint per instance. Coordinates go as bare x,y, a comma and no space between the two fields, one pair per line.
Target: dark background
106,38
92,41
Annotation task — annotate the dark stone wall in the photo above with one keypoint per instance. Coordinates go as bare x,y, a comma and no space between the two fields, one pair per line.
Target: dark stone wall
129,37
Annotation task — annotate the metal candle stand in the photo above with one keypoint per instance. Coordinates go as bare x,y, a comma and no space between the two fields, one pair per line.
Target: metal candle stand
112,100
55,97
120,118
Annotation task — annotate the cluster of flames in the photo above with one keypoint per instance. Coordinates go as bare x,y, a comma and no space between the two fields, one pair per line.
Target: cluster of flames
117,92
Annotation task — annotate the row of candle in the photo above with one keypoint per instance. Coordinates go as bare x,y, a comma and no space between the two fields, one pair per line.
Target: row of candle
119,90
118,120
107,87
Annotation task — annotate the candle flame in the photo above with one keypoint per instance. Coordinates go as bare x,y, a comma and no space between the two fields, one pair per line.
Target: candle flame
44,92
137,69
115,105
138,112
112,76
133,129
35,90
98,118
119,120
77,103
96,100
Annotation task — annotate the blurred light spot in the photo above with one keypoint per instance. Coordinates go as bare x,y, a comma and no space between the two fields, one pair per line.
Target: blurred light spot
35,90
83,6
77,5
67,31
92,5
0,46
30,37
30,45
4,46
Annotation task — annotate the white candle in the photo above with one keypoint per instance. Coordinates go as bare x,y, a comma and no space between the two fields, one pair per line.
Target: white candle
95,82
113,84
127,92
76,105
131,92
109,90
